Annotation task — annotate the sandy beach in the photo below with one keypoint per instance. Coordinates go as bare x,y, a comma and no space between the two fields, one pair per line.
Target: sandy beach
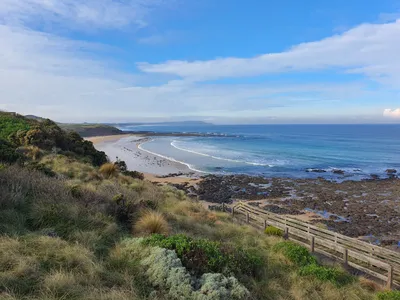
155,168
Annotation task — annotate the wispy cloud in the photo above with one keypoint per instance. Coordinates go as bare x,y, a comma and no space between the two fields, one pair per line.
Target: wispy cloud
368,49
73,13
391,113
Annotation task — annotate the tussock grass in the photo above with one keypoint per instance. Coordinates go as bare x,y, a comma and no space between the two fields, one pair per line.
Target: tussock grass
151,222
370,285
62,285
109,170
71,168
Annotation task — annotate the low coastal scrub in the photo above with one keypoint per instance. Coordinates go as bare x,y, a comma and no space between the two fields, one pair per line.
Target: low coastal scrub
309,266
298,255
334,275
164,269
204,256
273,231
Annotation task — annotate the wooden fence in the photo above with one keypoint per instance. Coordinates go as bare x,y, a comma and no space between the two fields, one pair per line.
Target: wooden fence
376,261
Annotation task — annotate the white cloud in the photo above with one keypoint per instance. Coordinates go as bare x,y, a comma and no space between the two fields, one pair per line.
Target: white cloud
72,13
369,49
391,113
71,80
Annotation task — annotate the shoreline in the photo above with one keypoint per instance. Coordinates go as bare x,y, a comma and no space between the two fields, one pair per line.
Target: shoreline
155,167
366,208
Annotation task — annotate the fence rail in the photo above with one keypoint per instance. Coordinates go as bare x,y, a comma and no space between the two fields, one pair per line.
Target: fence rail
373,260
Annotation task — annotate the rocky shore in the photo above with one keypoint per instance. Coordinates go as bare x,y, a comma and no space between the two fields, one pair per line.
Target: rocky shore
367,209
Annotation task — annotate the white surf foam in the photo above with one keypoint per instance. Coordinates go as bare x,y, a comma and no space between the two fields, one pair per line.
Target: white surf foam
173,144
170,158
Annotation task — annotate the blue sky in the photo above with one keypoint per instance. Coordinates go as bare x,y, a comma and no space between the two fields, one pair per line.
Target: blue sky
220,61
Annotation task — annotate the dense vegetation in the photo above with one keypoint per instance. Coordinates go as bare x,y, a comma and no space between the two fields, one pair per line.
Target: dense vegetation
21,134
70,229
12,123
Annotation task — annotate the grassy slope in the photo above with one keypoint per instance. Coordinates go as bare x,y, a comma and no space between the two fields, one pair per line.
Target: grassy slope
65,237
58,239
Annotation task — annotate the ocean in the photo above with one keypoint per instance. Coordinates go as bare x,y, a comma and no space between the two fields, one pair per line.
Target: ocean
282,150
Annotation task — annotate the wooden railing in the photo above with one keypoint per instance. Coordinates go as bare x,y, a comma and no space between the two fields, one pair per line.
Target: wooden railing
373,260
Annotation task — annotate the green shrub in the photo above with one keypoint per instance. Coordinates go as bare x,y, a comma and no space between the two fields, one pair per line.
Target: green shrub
388,295
8,153
204,256
271,230
336,276
298,255
217,286
134,174
166,272
10,124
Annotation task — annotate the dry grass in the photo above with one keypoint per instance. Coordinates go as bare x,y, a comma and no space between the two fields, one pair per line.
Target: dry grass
371,285
70,168
62,285
151,222
109,170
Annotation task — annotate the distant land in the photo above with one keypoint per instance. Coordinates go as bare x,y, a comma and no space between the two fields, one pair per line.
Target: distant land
104,129
181,123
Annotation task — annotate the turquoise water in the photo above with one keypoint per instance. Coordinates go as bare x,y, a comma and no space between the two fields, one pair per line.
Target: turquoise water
283,150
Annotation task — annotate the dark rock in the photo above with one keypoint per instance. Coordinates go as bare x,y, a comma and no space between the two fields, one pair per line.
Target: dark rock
391,171
315,171
374,177
340,172
281,210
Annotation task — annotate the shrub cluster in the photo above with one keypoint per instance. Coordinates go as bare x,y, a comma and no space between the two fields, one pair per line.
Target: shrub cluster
336,276
296,254
271,230
7,152
165,271
203,256
308,264
46,135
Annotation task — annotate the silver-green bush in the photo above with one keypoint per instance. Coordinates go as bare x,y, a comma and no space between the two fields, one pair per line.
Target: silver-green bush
165,271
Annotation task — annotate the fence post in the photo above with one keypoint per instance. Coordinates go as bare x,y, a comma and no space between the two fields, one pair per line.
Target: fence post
346,256
389,283
312,245
233,211
265,224
223,207
247,217
286,233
